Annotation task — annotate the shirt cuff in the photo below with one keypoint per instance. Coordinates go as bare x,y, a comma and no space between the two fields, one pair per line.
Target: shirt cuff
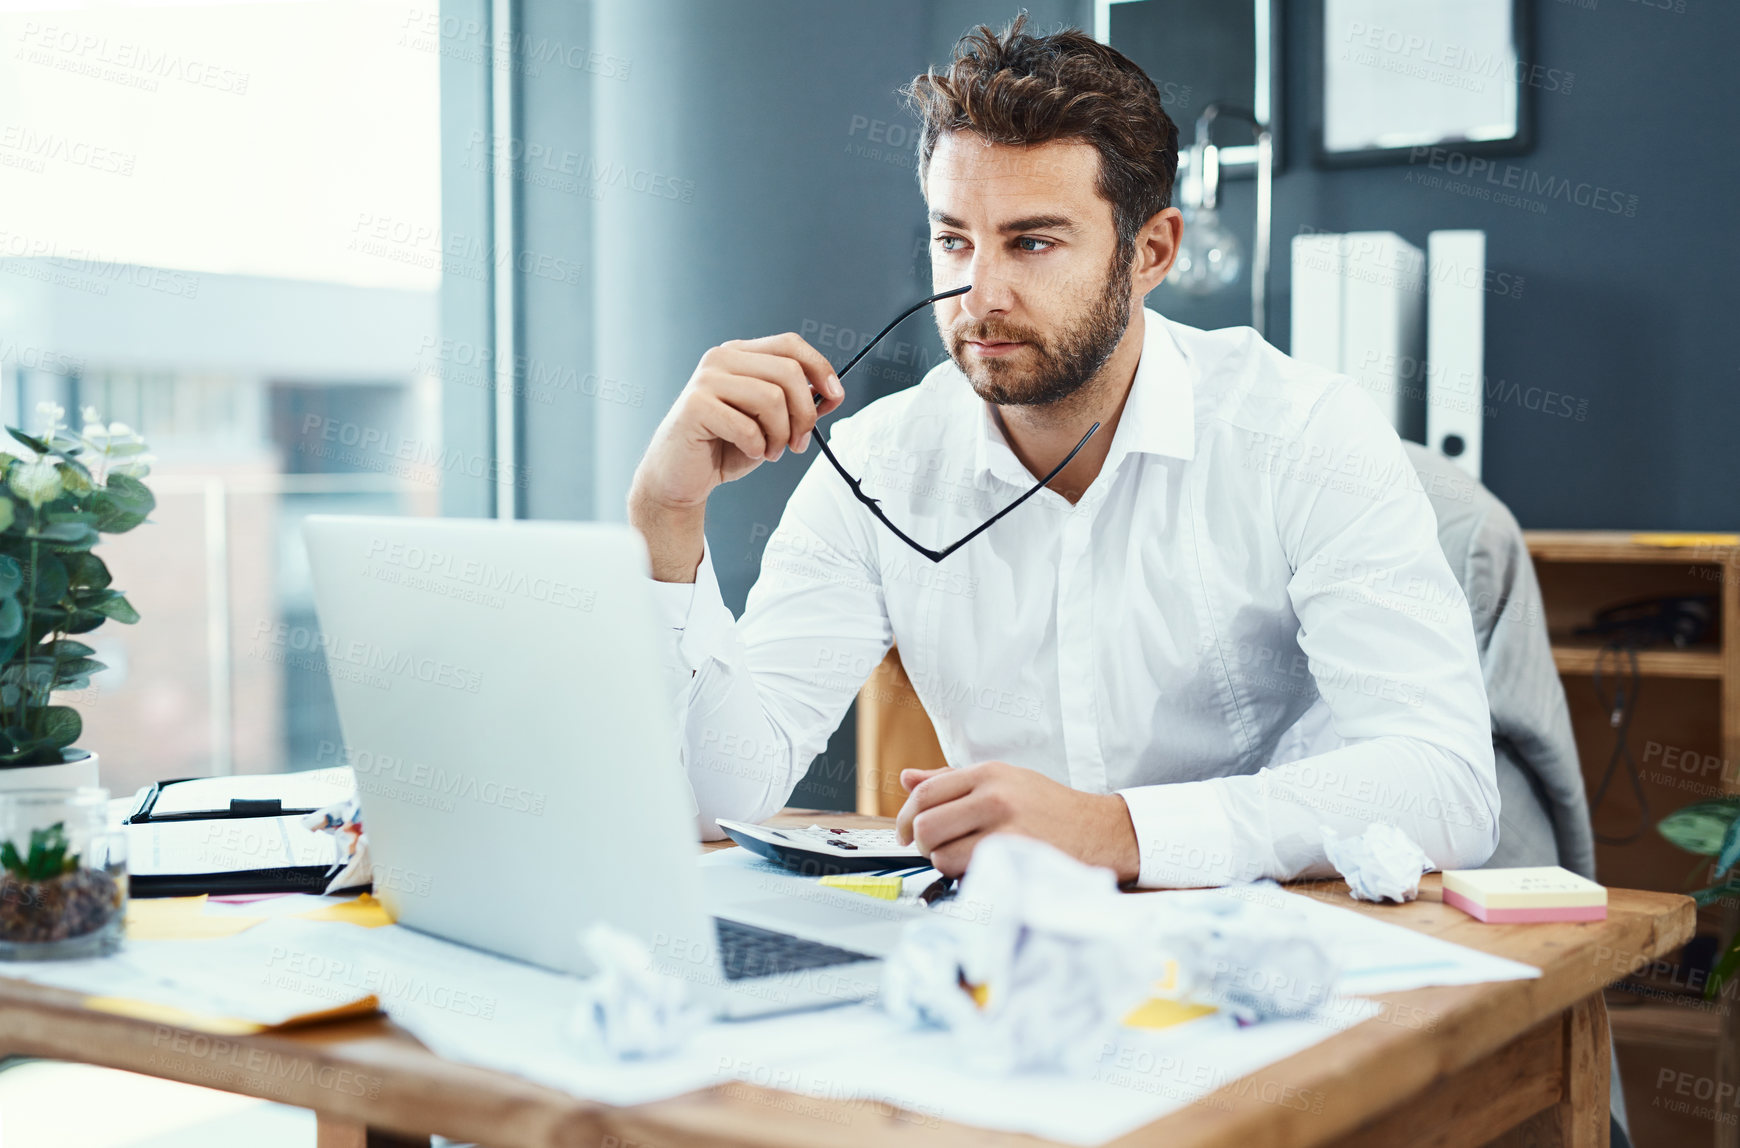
695,611
1185,837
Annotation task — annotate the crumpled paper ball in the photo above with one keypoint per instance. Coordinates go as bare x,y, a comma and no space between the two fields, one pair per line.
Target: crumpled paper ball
1381,864
1034,965
628,1009
1245,950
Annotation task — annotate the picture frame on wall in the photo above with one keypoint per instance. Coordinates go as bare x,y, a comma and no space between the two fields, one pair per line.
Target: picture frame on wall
1395,76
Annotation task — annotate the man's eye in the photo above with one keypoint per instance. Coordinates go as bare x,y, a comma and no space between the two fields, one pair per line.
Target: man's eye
1043,243
945,240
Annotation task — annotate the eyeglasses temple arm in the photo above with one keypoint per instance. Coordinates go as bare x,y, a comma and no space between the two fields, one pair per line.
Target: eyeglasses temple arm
876,508
904,315
992,521
938,555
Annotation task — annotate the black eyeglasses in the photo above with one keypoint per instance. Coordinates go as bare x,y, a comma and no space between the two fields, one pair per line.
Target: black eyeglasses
857,487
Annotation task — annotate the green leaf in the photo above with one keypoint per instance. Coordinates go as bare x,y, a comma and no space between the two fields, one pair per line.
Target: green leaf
1701,827
32,751
11,618
30,441
48,853
1723,970
1730,850
70,535
1719,891
130,494
48,582
8,512
111,519
86,571
117,608
87,480
82,622
75,674
11,573
10,859
63,648
60,726
123,505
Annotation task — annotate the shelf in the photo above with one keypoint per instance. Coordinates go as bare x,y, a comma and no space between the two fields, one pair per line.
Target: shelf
1617,546
1572,658
1687,1023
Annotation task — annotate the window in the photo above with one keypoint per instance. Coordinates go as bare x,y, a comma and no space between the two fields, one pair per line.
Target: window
222,228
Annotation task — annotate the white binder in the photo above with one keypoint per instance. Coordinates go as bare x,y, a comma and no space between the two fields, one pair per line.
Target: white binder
1456,346
1358,308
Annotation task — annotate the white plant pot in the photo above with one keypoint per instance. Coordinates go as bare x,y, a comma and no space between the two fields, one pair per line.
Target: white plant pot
67,775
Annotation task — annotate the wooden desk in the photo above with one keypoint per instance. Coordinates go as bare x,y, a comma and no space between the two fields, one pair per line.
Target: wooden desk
1440,1067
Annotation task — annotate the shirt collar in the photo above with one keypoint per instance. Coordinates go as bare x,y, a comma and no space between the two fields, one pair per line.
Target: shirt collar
1159,413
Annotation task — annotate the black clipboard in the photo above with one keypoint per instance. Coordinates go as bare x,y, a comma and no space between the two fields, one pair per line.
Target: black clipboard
146,804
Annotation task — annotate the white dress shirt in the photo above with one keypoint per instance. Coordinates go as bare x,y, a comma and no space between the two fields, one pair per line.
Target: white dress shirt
1245,625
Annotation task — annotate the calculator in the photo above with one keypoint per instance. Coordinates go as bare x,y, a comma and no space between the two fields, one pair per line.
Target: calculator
819,851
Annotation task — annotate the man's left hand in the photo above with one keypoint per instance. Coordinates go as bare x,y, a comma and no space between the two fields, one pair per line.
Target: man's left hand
948,811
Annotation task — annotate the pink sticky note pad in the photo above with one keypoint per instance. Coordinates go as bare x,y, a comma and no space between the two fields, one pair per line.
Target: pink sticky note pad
1523,916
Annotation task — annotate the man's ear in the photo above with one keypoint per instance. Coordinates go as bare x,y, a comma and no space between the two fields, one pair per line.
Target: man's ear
1156,250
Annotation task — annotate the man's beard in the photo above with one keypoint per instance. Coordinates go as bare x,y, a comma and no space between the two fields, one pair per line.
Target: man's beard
1046,371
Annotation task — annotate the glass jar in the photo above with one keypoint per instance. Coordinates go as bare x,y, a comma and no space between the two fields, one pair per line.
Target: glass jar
63,874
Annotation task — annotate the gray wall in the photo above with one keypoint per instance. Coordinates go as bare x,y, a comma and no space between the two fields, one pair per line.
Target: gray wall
745,168
1630,316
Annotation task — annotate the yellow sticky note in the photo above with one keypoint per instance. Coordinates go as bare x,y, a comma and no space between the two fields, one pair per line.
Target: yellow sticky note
1161,1012
882,888
180,919
362,910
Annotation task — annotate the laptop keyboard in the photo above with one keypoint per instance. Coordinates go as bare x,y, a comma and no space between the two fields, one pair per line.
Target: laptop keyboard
747,951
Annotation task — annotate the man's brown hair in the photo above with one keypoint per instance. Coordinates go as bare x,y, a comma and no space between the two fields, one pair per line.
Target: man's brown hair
1013,88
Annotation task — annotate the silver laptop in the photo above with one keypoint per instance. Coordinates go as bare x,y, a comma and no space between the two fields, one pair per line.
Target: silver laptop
501,698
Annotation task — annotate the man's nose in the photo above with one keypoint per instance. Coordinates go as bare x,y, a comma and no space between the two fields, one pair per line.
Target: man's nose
991,292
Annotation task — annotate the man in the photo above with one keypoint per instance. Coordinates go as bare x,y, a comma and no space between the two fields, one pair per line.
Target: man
1225,625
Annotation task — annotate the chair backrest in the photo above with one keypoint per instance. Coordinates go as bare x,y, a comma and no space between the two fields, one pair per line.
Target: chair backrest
894,733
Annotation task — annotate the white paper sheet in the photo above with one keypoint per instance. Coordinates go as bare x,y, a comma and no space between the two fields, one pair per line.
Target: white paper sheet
225,845
260,975
1379,957
480,1009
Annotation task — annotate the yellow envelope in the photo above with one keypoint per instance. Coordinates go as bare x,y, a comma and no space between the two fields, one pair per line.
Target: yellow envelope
226,1025
361,910
180,919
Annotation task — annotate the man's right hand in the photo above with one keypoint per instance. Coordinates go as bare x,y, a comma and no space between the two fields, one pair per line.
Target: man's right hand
748,400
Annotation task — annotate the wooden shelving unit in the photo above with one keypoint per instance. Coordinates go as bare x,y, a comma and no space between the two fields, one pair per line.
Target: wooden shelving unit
1685,737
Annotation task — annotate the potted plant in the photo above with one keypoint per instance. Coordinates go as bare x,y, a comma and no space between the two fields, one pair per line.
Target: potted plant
63,882
58,495
1712,829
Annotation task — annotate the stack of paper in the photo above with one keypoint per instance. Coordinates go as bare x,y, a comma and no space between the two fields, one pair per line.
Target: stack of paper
1547,893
